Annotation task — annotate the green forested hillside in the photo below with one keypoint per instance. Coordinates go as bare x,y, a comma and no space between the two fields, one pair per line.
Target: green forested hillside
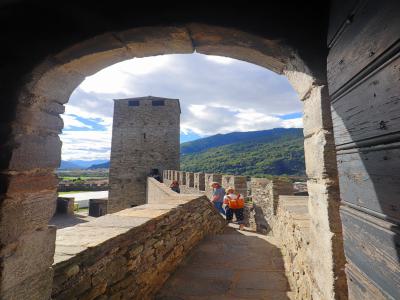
277,151
269,152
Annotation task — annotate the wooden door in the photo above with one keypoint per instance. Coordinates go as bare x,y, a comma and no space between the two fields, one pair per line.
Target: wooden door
364,86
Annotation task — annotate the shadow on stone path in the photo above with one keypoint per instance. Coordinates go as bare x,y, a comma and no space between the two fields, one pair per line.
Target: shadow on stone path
66,220
232,265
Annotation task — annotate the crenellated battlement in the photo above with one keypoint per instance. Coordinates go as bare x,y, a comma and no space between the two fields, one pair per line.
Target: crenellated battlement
200,183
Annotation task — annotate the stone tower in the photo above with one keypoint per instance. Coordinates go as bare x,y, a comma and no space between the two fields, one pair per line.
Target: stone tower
145,136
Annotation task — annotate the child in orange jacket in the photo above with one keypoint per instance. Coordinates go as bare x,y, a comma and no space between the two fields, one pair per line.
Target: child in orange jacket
235,205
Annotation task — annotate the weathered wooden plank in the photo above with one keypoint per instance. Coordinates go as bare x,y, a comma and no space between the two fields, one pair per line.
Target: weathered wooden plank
371,109
375,27
340,10
372,245
370,178
360,287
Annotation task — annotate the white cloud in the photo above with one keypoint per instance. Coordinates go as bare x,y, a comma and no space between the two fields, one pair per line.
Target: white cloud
115,79
217,95
86,145
211,119
293,123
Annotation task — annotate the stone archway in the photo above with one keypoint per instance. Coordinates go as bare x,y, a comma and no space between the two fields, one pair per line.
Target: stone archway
34,149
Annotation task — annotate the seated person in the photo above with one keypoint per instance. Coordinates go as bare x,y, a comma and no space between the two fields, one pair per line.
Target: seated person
175,186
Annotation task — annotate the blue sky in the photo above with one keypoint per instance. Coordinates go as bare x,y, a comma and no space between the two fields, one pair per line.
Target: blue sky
217,95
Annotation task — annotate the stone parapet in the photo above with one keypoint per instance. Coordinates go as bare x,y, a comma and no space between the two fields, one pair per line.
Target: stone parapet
190,179
265,196
133,251
292,225
199,181
288,217
182,178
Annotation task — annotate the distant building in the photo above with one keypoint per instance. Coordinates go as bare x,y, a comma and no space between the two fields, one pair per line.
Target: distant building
145,137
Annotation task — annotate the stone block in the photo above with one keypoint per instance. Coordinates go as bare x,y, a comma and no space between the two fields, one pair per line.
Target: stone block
199,181
320,156
35,151
182,178
31,255
317,111
213,40
97,207
165,174
53,81
149,41
26,212
300,80
65,205
324,203
38,119
189,179
325,233
20,184
37,286
94,54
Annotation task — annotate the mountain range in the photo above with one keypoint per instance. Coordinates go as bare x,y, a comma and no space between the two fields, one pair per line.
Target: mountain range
278,151
80,164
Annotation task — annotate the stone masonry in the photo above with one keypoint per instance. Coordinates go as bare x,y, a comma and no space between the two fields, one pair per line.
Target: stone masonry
275,211
199,183
265,195
131,253
292,226
145,136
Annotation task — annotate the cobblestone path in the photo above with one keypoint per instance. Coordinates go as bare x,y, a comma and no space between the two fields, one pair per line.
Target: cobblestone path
229,266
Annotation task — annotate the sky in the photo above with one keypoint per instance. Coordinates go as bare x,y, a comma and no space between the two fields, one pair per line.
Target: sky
217,95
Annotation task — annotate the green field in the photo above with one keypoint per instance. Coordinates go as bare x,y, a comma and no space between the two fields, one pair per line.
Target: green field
71,192
81,178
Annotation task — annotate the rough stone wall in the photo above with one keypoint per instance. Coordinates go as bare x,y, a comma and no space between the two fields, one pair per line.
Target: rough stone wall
324,198
287,217
265,196
62,187
292,225
131,253
182,178
36,87
190,179
144,137
199,183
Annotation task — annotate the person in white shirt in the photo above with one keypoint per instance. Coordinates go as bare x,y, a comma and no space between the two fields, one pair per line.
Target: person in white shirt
234,206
